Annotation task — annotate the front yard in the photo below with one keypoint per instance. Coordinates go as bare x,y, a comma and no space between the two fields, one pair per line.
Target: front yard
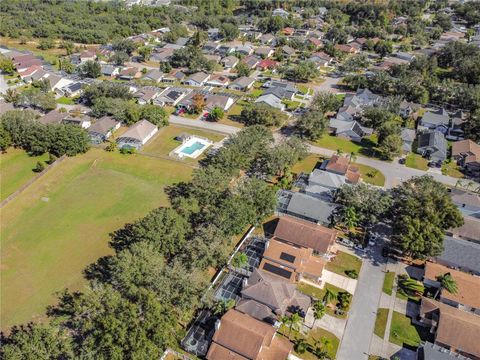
416,161
366,147
317,293
371,175
316,338
344,262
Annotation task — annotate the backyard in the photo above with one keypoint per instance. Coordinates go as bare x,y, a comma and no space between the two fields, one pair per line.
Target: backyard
344,262
403,332
60,224
16,169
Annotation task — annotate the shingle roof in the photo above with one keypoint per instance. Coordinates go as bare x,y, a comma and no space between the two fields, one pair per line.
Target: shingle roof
103,125
305,206
139,131
461,253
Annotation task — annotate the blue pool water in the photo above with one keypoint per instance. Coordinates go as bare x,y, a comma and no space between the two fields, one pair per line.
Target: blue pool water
189,150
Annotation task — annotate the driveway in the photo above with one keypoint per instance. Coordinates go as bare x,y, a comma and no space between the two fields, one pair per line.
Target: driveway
340,281
355,343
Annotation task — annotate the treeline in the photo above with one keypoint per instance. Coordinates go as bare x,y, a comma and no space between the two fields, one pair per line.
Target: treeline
108,98
154,282
21,129
82,21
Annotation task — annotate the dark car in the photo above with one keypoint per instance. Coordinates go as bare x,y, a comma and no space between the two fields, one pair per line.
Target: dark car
402,161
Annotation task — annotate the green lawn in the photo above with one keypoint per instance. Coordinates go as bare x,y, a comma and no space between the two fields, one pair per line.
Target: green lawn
371,175
60,224
381,322
388,282
316,293
307,165
312,337
165,142
416,161
402,331
256,92
343,262
65,101
16,170
452,169
291,104
365,148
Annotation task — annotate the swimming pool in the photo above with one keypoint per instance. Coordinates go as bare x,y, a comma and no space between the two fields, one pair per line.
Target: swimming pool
192,147
189,150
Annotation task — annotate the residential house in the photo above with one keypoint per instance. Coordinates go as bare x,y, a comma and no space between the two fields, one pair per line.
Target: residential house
218,81
171,96
109,70
52,117
251,61
71,90
153,75
173,76
306,207
271,100
351,130
182,41
282,89
224,102
280,12
460,254
470,230
407,109
102,129
210,47
323,183
162,55
271,286
288,31
23,61
26,75
438,120
454,329
240,336
242,83
456,130
468,287
264,51
342,165
267,39
349,49
146,95
408,137
229,62
432,145
137,135
244,49
267,64
467,155
129,73
429,351
288,51
213,57
197,79
320,59
213,34
82,121
315,42
83,57
466,201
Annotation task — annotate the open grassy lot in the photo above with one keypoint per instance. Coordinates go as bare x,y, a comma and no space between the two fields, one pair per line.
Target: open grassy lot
16,170
344,262
164,141
60,224
416,161
371,175
365,148
381,322
402,331
388,282
50,55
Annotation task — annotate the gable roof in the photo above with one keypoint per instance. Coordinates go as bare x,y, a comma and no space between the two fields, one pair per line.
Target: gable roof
467,147
325,178
457,328
304,233
139,131
439,117
52,117
462,253
103,125
337,164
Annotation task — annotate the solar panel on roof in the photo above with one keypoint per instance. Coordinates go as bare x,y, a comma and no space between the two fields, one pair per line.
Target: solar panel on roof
287,257
277,270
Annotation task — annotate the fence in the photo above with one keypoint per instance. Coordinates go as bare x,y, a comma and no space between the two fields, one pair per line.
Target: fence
27,185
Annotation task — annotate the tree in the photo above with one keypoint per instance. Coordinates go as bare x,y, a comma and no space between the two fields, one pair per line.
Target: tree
410,286
350,218
68,46
39,167
145,52
443,20
126,45
422,210
312,125
90,69
229,31
5,139
216,114
326,102
155,114
119,58
448,283
300,346
10,95
240,260
280,158
198,103
472,126
35,341
46,44
242,69
319,310
383,48
304,71
222,306
262,114
391,146
65,65
293,322
6,65
329,296
162,227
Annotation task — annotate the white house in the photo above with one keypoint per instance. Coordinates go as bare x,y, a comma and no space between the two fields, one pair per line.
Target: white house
137,135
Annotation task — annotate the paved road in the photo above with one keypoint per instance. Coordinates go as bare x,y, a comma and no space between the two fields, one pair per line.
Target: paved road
355,343
329,85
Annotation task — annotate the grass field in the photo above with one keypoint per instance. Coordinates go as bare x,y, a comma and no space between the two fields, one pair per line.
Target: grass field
50,55
371,175
65,101
388,282
308,164
164,142
365,148
402,331
416,161
16,170
381,322
60,224
343,262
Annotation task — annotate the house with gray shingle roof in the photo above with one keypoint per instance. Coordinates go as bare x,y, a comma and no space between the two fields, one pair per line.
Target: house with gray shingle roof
432,145
436,120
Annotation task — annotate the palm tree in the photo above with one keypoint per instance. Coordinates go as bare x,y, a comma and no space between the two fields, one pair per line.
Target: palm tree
10,95
301,346
411,286
448,283
320,350
353,156
318,310
295,322
329,296
339,152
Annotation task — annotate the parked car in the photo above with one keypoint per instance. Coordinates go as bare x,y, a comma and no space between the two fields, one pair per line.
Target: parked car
402,161
180,111
205,116
346,242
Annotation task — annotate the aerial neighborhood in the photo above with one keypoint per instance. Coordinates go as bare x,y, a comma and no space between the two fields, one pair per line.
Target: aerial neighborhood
244,179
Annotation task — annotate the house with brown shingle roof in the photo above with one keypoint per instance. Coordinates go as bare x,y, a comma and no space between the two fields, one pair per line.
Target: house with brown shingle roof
341,165
467,155
454,329
305,234
239,336
467,296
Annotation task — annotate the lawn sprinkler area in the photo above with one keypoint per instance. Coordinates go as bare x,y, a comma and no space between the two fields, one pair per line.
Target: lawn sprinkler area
192,147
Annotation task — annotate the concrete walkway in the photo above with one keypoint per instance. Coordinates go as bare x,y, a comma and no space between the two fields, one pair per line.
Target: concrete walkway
340,281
